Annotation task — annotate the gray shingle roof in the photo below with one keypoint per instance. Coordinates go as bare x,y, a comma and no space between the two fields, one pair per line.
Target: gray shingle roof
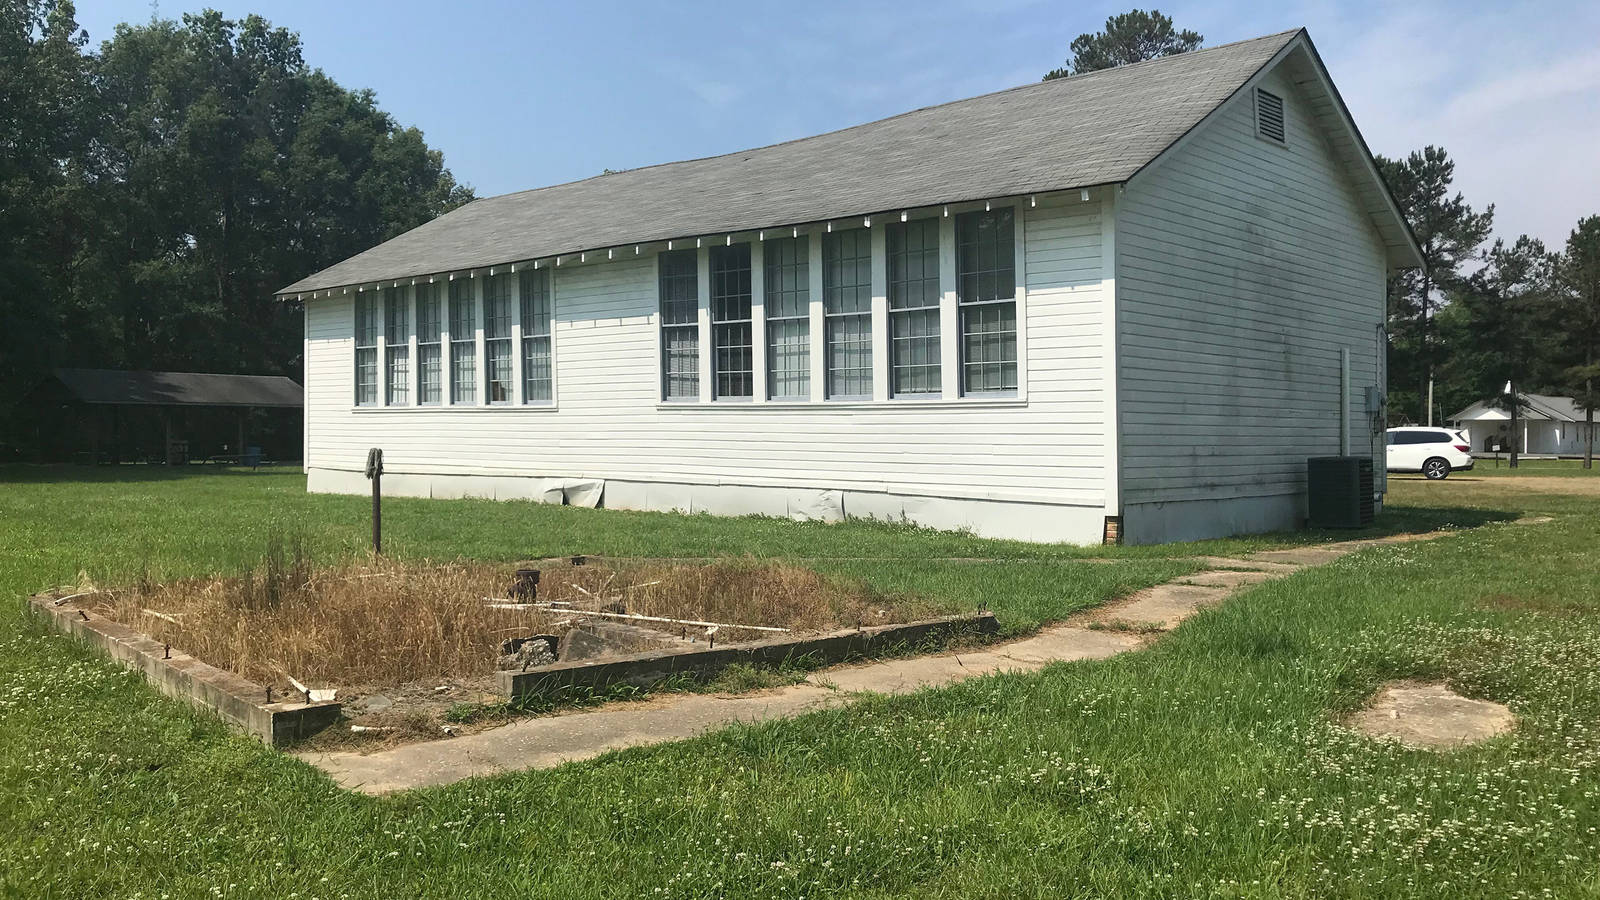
114,386
1098,128
1534,407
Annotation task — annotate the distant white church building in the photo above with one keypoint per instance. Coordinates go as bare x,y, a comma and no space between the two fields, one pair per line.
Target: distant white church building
1546,426
1134,300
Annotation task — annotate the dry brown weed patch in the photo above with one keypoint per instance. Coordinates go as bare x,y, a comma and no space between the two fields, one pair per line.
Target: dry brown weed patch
386,622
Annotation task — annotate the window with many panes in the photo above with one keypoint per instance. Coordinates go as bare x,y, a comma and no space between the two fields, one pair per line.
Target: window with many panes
429,350
463,342
366,349
788,307
497,376
397,346
913,268
680,324
986,293
537,375
847,308
733,357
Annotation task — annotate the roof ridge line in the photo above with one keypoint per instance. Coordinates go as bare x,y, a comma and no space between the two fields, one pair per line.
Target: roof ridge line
1075,79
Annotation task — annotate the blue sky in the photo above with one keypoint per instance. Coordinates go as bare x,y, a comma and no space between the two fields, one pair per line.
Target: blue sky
519,95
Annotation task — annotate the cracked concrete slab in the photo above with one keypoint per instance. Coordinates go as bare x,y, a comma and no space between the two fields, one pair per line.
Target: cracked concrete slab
1227,579
1430,716
1164,605
550,741
1302,556
578,735
1256,565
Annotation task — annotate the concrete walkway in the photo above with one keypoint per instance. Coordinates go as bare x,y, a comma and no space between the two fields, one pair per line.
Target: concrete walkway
538,743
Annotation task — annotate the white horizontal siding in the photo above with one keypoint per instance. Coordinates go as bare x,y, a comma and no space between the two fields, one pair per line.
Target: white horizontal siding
1242,269
609,422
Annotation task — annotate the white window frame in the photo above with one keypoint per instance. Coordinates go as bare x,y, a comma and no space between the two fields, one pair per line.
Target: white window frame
399,295
437,291
523,339
800,317
870,314
487,285
663,328
732,324
935,307
455,342
1018,277
373,305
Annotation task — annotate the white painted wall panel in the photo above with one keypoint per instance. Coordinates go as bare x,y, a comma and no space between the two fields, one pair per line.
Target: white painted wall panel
609,423
1242,268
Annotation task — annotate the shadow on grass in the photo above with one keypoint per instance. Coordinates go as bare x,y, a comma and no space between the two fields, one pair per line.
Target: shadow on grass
1392,521
27,473
1408,520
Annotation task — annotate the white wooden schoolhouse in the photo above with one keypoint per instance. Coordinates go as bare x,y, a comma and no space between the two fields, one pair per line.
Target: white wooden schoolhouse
1130,302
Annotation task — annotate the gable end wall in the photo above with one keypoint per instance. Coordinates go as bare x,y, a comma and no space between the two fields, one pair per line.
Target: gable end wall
1242,268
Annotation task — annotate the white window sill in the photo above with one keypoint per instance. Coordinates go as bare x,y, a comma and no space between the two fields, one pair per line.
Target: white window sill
953,403
444,408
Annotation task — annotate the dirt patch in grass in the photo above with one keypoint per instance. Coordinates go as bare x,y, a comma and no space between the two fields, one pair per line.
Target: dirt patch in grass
1430,716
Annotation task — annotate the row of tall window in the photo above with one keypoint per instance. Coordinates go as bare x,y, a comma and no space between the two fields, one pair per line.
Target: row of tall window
436,329
446,335
985,276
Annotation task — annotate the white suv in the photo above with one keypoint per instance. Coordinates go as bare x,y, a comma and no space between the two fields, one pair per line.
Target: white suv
1435,452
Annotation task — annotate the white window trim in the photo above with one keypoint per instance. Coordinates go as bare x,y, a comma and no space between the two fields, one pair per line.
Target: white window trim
355,352
952,393
882,393
711,352
514,345
384,295
480,363
659,322
946,286
412,383
416,345
521,392
758,322
1019,244
876,311
817,390
703,348
446,369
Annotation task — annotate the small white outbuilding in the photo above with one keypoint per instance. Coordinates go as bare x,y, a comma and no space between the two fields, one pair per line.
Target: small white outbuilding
1132,301
1546,426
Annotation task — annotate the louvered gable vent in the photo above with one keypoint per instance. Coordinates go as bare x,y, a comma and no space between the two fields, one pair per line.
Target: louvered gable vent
1269,115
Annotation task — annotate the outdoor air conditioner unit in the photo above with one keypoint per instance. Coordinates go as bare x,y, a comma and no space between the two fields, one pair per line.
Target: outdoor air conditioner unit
1339,491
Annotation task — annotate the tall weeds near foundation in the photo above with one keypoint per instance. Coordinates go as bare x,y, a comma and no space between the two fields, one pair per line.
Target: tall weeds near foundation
376,622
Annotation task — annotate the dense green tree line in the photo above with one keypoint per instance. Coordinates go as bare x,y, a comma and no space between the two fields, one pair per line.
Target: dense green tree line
156,190
1478,316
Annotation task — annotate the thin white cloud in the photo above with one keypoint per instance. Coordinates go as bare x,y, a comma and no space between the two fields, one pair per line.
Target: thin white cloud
1561,77
710,90
1513,93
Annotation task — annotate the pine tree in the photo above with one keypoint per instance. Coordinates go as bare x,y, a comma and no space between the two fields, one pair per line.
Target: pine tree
1129,38
1449,233
1507,306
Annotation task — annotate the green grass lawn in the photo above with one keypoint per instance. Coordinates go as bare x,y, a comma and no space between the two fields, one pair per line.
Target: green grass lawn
1209,765
1562,467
